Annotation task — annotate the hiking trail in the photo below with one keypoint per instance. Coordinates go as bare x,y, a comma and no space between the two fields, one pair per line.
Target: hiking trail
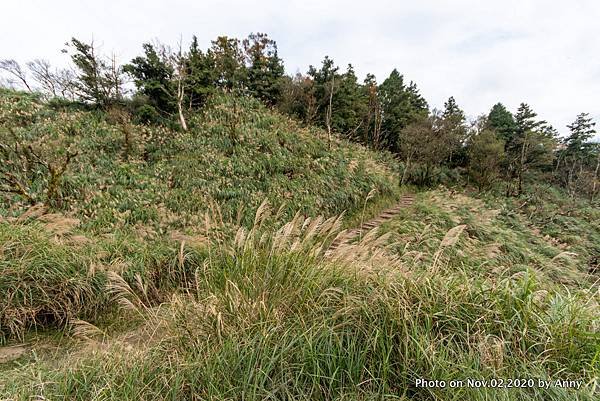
405,201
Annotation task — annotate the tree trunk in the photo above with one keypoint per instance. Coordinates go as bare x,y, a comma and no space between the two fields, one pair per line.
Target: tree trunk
330,112
180,96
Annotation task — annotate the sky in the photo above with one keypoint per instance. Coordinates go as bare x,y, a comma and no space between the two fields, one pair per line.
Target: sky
544,53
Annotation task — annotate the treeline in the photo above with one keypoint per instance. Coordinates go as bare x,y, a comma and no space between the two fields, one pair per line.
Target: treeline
433,145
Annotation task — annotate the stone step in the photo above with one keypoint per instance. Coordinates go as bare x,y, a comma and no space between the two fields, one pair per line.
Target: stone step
386,215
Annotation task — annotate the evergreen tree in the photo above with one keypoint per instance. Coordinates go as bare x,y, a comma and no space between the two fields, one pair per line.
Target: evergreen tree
577,153
98,81
582,130
153,75
454,129
532,146
200,75
502,122
525,120
326,82
229,62
453,112
349,105
265,68
401,105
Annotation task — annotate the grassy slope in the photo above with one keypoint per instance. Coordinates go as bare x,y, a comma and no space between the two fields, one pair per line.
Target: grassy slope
262,314
269,318
127,206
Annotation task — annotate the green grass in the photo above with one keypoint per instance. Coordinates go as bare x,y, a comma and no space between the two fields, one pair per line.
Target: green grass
191,265
264,322
135,203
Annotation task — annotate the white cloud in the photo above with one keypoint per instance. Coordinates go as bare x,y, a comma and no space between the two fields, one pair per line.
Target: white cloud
544,53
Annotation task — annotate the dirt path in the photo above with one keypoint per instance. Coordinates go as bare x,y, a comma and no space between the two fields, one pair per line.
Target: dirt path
386,215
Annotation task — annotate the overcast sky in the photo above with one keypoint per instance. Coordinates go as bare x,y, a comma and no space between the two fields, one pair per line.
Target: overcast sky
545,53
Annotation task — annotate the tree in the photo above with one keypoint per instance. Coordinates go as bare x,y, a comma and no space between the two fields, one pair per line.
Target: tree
325,81
401,105
200,75
50,82
229,63
423,143
502,122
371,131
298,98
178,62
153,74
531,147
577,153
16,73
485,153
454,126
99,80
350,105
582,130
265,68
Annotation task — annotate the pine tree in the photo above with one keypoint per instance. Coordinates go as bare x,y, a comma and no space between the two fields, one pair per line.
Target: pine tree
401,105
200,75
582,130
98,80
577,152
502,122
153,75
229,63
453,112
454,129
525,120
531,147
350,105
265,68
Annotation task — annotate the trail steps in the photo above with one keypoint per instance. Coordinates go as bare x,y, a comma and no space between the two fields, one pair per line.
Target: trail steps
386,215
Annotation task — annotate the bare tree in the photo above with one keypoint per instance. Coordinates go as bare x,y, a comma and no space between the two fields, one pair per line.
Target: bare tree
43,75
65,80
13,68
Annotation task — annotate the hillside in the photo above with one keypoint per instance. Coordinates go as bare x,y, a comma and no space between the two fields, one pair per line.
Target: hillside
172,264
134,192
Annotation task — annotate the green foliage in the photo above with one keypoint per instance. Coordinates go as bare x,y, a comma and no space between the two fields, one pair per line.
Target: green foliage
401,105
200,235
502,121
122,169
229,60
269,320
153,75
265,69
579,159
486,153
98,81
531,147
43,283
